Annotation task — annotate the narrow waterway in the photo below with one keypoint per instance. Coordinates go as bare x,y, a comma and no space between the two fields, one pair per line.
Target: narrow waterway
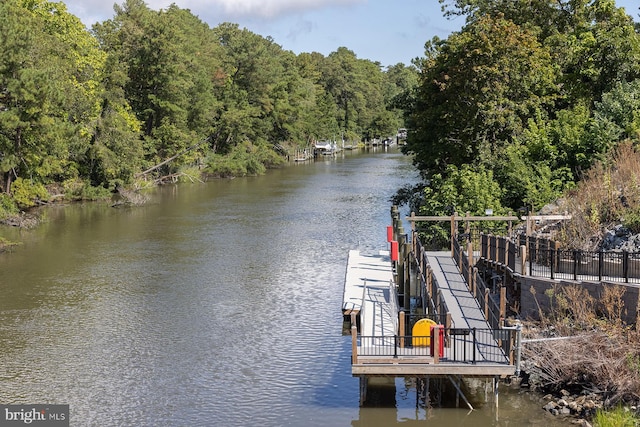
215,304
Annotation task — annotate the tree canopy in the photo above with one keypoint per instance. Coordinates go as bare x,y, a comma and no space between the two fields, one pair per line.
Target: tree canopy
534,92
84,110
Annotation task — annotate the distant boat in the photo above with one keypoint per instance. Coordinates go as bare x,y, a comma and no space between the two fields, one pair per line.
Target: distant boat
388,142
325,148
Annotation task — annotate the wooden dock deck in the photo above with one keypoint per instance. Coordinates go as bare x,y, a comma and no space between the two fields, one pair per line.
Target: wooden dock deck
471,348
369,293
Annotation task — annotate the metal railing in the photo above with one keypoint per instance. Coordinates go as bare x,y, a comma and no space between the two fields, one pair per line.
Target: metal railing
545,259
412,318
488,297
584,265
427,283
459,346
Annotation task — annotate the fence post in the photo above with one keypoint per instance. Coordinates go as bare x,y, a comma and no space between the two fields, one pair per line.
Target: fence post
401,331
523,260
530,256
474,279
503,303
575,264
552,260
482,246
395,346
600,264
475,345
505,248
625,265
489,246
467,224
453,232
486,304
407,271
470,262
447,329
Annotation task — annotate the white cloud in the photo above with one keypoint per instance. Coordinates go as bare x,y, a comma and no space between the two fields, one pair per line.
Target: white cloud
264,8
91,11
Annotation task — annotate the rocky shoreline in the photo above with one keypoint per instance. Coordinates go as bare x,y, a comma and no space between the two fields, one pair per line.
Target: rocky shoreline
581,407
576,408
577,403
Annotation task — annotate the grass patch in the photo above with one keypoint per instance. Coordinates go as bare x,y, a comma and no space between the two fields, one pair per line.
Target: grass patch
618,417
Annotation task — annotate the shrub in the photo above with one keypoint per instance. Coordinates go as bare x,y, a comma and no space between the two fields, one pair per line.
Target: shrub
243,160
189,174
75,189
27,193
8,206
632,220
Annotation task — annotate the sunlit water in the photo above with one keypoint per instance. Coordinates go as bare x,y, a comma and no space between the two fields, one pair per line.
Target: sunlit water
215,304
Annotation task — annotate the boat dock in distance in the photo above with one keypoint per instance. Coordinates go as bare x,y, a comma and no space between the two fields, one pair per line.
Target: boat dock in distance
448,336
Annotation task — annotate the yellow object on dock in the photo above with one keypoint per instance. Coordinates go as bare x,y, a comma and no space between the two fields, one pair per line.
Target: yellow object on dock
421,333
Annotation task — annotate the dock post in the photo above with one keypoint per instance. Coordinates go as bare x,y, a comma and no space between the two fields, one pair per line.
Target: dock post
435,341
403,281
453,232
363,390
354,344
518,347
486,304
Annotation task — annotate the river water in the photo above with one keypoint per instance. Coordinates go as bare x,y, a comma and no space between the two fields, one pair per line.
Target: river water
215,304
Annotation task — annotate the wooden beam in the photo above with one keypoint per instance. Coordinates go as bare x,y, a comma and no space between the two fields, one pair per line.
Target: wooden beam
443,369
415,218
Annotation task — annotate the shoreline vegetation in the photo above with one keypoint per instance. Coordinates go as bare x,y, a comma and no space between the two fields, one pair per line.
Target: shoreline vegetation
582,359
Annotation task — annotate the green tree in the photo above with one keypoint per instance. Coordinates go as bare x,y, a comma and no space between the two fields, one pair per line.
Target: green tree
464,189
172,72
49,80
476,93
617,115
319,115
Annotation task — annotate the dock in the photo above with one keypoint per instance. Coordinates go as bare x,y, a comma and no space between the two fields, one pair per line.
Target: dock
369,293
462,346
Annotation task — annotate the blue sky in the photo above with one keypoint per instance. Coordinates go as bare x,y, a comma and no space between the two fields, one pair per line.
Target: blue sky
387,31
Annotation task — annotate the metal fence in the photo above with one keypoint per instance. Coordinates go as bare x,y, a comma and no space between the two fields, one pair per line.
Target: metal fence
459,345
488,297
427,283
545,259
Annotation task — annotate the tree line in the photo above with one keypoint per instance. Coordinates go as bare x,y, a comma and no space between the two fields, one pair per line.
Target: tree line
512,110
83,112
508,113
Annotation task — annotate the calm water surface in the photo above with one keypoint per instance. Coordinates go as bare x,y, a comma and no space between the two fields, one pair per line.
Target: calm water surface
215,304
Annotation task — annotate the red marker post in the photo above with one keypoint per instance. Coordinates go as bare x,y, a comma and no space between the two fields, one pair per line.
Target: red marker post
394,250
